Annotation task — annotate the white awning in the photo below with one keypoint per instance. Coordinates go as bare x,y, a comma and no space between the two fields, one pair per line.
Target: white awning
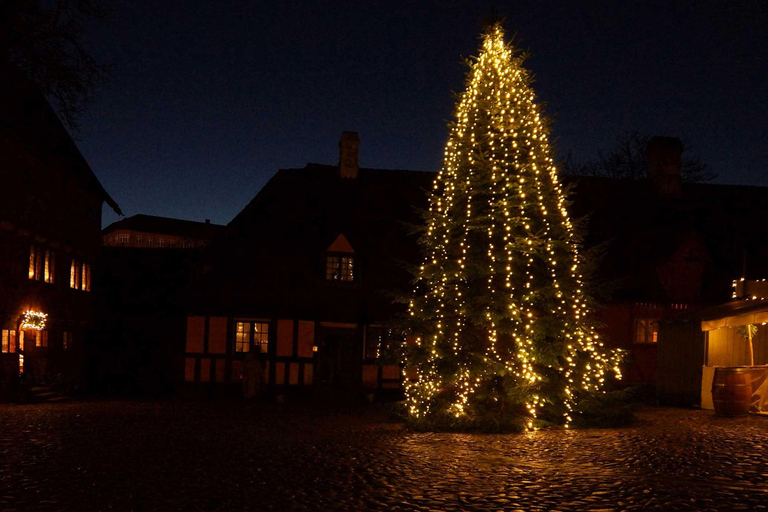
754,317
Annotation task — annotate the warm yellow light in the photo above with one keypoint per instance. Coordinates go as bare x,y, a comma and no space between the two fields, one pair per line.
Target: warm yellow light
497,205
34,320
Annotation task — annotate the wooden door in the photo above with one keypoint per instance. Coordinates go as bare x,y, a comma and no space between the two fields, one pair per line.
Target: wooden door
339,358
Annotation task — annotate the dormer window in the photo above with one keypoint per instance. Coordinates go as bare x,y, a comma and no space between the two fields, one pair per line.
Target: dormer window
340,261
340,268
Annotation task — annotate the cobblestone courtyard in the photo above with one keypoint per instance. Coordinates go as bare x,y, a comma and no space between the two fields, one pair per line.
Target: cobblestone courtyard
115,455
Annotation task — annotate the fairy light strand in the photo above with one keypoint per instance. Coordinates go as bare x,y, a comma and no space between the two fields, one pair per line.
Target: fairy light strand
498,216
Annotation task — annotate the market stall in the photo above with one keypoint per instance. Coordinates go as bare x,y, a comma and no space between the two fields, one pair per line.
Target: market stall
716,358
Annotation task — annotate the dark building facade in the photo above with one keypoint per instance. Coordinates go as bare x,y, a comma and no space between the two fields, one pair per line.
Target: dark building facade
50,238
306,277
151,232
141,337
307,274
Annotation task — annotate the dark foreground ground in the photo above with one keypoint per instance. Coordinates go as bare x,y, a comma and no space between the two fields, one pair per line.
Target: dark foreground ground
195,456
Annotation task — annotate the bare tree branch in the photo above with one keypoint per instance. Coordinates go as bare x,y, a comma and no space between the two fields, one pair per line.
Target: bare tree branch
46,42
627,161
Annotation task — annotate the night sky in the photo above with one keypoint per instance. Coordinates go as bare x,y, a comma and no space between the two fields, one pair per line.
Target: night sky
209,98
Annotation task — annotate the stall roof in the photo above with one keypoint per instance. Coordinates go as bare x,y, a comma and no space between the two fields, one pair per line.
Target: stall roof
730,314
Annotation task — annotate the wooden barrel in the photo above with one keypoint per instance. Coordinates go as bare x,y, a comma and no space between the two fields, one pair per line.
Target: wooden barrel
732,390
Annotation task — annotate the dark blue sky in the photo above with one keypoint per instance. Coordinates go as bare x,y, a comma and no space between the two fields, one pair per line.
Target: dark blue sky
209,98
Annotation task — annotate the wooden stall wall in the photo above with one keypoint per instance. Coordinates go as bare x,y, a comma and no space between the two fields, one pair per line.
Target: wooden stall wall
680,360
726,347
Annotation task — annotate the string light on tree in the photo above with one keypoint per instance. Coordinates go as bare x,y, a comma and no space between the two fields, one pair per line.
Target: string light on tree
500,308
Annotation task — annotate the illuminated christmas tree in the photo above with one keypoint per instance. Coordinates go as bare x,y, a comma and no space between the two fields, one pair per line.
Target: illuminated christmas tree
501,318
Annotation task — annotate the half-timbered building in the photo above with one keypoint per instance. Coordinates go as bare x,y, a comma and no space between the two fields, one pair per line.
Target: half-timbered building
308,272
306,279
50,237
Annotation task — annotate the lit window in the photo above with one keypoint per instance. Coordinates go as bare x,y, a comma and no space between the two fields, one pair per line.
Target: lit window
251,336
50,266
138,240
32,254
42,264
41,340
123,238
340,268
149,241
646,330
260,336
160,242
74,275
8,341
80,276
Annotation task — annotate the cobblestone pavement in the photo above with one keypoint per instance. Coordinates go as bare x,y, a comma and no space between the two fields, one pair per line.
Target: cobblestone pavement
113,455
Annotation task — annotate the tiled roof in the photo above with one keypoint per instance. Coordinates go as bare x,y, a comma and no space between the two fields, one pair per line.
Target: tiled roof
275,245
166,226
28,119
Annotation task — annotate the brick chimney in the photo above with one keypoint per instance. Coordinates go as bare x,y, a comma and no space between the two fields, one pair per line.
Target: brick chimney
348,151
664,158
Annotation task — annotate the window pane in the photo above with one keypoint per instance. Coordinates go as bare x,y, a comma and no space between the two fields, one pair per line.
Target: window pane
32,262
47,267
332,268
261,336
5,341
242,331
39,263
347,269
640,331
52,275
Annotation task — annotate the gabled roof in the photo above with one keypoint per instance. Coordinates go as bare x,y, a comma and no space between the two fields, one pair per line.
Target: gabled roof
643,230
274,255
341,244
28,119
275,245
166,226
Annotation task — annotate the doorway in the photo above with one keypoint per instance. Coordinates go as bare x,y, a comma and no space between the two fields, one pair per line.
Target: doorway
339,358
